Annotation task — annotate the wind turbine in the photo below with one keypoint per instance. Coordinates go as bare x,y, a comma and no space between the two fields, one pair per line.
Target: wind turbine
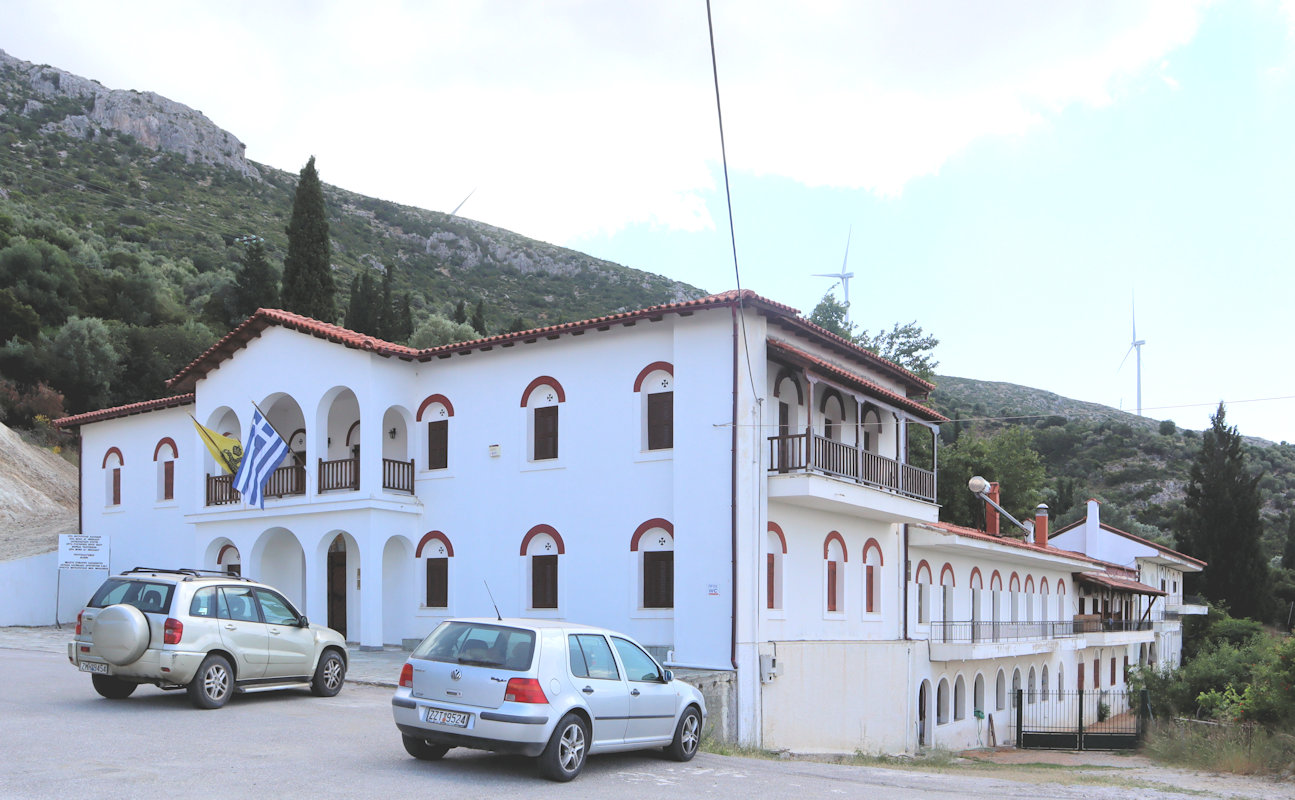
843,276
1136,345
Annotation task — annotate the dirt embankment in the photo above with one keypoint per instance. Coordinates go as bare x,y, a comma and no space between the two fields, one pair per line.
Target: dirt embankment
38,498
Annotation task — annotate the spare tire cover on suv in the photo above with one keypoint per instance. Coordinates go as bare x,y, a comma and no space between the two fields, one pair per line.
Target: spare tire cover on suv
121,634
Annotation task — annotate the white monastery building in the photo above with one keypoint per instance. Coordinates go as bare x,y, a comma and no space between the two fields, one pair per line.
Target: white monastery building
741,490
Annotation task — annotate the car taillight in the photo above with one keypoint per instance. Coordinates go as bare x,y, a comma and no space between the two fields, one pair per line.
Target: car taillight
524,690
173,630
80,614
407,675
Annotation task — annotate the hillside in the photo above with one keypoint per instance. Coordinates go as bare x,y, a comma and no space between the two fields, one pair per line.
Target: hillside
127,207
1137,466
37,497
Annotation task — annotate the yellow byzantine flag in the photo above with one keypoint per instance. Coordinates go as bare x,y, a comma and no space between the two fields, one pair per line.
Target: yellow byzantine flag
227,452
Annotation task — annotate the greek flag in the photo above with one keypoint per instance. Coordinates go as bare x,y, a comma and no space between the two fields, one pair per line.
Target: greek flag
262,453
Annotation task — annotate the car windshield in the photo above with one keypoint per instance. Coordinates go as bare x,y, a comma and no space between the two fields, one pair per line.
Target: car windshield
145,595
479,644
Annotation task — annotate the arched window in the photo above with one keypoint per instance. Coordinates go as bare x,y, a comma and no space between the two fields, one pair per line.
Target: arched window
942,702
1016,683
787,391
541,401
1000,692
947,584
832,408
1014,597
959,698
655,385
871,429
923,592
1043,683
1029,598
775,549
1061,680
978,694
1047,599
1029,693
834,560
654,542
112,464
437,410
542,549
165,454
872,564
436,551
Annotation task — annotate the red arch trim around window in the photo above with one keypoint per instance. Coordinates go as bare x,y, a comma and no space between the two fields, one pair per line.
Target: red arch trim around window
845,554
947,569
977,580
664,366
436,536
775,529
786,372
828,394
1061,587
663,524
872,544
1043,586
220,559
434,398
1029,584
996,578
543,380
350,431
166,440
1014,583
536,531
112,450
922,565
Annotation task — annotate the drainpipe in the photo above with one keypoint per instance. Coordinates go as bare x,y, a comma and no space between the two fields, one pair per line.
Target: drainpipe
732,504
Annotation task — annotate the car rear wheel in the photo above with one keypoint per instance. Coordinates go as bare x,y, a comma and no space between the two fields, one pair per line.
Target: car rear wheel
422,749
687,736
328,675
112,688
565,755
213,684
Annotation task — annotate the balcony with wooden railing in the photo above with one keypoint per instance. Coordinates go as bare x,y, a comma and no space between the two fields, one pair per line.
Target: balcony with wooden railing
342,473
813,452
398,476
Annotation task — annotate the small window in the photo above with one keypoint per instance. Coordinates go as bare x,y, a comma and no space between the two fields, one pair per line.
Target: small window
204,603
144,595
546,433
658,579
639,666
236,603
438,444
438,583
591,657
276,609
495,646
660,421
544,581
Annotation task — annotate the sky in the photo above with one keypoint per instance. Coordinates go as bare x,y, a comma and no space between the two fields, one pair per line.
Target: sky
1016,177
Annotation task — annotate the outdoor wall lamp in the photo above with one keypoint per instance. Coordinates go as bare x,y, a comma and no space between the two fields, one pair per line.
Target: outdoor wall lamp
391,434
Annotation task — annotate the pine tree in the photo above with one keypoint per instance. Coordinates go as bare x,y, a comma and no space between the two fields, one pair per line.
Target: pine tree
256,285
1288,555
386,310
460,313
404,319
1221,526
307,270
478,322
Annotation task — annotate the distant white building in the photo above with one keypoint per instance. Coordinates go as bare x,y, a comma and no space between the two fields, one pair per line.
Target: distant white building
739,489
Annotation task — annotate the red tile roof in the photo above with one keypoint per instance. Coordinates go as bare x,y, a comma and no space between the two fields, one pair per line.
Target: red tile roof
858,381
125,411
972,533
1112,582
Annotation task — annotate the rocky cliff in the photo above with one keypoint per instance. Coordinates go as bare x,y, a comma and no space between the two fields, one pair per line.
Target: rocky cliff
79,107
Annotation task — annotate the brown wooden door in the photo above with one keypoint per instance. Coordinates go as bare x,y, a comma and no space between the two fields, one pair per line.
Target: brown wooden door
337,591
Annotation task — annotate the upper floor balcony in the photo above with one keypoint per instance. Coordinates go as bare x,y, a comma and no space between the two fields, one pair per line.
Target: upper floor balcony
337,475
980,639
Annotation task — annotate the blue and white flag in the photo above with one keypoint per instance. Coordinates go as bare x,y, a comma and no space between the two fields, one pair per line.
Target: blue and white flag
262,453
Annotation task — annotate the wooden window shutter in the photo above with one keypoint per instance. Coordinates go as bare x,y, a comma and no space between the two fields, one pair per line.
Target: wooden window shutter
544,581
438,582
546,433
116,486
660,421
168,480
658,579
870,587
769,571
831,586
438,444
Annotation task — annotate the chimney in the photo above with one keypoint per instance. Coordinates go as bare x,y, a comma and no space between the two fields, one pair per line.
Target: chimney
991,514
1041,525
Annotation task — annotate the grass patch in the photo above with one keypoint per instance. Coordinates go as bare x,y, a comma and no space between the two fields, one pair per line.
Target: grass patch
1239,749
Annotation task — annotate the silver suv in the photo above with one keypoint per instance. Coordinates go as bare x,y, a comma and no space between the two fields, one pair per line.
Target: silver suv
549,689
210,633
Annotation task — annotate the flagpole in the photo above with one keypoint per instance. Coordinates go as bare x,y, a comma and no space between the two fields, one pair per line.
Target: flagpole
203,432
266,417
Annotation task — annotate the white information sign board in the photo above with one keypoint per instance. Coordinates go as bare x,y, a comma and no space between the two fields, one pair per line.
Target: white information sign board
81,551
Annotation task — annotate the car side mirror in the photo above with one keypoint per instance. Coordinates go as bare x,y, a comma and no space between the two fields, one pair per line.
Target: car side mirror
303,622
669,676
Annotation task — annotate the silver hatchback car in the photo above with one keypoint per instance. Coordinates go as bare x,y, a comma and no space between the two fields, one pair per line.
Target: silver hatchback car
549,689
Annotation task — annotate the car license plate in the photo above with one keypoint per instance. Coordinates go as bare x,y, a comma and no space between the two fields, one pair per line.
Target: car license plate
439,716
94,666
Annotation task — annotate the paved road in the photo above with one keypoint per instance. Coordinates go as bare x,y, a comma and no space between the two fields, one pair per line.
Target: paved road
58,739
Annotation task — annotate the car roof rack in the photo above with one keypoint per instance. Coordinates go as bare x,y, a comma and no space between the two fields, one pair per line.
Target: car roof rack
190,573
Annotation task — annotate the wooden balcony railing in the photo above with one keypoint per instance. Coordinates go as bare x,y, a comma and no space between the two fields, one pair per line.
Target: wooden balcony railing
221,491
286,481
809,451
344,473
398,475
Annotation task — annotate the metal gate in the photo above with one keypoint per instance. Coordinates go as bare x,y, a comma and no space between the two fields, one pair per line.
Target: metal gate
1100,719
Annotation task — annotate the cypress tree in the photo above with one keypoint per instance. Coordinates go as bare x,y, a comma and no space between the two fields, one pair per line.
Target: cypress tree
460,313
404,319
1288,555
353,313
307,270
479,318
1221,523
386,310
256,286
